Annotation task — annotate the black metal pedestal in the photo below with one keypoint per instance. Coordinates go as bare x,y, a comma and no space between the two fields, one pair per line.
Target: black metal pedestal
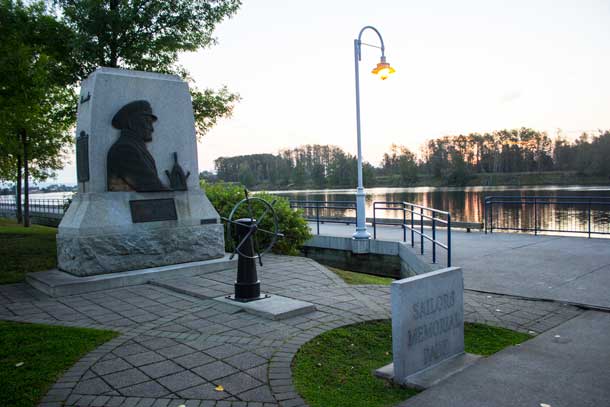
247,286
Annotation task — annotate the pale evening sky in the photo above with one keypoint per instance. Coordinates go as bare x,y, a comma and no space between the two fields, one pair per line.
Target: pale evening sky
462,66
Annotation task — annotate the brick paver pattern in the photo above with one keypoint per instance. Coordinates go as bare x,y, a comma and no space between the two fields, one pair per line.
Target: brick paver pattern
178,344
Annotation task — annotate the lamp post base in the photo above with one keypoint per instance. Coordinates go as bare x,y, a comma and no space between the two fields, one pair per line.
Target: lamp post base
361,234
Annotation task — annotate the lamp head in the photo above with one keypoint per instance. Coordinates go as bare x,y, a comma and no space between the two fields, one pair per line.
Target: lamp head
383,69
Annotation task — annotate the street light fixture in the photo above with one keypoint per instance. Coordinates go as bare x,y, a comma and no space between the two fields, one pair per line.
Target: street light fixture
384,70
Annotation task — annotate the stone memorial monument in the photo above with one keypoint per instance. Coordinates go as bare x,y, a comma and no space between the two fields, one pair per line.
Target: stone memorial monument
139,204
427,328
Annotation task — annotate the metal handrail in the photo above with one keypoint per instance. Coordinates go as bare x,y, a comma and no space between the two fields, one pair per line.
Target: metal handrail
318,205
423,213
412,205
406,207
38,207
536,202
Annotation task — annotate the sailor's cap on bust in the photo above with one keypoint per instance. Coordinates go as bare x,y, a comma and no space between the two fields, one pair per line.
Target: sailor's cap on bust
121,118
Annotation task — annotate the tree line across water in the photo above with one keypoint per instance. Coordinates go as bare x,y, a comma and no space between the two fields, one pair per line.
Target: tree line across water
449,160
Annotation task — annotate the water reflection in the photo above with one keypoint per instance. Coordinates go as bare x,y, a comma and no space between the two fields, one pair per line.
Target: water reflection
467,204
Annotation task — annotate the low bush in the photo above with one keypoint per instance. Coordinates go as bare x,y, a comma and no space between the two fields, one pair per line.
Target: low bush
291,222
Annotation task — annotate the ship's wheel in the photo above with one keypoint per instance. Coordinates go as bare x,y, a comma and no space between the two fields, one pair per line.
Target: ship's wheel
247,231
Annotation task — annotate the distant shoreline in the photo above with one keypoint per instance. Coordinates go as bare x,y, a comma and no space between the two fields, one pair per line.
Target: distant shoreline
529,179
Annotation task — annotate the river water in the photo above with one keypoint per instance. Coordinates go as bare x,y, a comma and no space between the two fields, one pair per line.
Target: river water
467,204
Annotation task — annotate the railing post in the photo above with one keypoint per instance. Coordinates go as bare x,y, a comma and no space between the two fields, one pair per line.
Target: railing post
421,229
318,217
491,216
535,218
374,220
589,228
433,238
404,222
448,240
412,227
485,215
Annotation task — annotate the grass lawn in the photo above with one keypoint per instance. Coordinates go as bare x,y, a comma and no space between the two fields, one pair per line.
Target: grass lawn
353,278
335,369
23,250
46,352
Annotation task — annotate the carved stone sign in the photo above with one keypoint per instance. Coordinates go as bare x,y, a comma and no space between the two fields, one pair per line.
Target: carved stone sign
427,321
152,210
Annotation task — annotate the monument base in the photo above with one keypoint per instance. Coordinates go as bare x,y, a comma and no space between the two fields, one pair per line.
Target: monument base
57,283
112,232
103,254
433,375
273,307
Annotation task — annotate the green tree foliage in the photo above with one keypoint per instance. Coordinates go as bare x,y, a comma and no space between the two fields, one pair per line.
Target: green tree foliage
517,150
400,161
291,223
589,155
315,166
35,97
148,35
36,103
451,160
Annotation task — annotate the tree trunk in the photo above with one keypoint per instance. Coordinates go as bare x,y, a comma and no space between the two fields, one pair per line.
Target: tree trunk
26,183
114,4
18,197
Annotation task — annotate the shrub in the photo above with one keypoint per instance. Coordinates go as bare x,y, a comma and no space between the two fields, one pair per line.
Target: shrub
291,222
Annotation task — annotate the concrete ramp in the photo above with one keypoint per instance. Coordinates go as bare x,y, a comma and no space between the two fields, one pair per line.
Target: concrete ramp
567,269
560,268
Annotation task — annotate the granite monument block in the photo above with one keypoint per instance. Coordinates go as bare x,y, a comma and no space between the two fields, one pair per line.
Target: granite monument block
137,204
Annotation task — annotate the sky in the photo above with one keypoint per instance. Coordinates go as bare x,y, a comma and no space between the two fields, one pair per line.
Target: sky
461,66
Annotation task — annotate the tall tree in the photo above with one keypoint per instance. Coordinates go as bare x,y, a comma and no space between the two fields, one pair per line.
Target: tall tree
36,101
148,35
402,162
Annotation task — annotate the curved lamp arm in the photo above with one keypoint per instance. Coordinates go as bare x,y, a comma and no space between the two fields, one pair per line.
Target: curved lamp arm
360,41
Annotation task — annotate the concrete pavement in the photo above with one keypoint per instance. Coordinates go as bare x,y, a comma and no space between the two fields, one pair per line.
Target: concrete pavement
567,366
560,268
177,344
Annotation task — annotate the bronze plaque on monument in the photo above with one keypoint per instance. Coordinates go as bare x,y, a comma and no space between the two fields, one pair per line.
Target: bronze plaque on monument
152,210
82,157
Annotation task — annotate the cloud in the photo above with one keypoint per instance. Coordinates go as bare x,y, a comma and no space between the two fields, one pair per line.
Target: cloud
510,96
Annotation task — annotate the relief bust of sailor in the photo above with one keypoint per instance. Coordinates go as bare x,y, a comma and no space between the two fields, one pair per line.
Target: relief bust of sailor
130,166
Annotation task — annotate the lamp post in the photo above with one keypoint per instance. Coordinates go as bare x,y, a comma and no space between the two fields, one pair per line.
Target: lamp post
383,69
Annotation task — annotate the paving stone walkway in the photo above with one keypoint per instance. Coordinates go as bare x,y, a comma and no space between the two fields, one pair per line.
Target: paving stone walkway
178,344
